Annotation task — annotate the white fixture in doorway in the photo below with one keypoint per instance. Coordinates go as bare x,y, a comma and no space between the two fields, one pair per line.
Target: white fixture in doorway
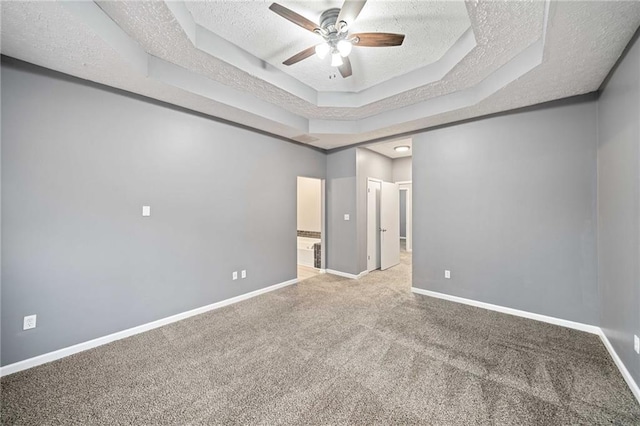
390,225
374,187
383,224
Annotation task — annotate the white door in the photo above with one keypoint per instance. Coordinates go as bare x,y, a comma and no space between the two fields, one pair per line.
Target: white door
389,225
373,224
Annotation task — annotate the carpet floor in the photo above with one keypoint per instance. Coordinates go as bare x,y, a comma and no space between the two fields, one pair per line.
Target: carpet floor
333,351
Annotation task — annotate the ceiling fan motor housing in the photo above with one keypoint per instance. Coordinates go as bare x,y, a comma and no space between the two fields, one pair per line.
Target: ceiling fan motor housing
328,19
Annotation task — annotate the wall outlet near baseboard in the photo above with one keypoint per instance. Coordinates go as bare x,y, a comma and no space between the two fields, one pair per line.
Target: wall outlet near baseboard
636,344
447,274
235,275
29,322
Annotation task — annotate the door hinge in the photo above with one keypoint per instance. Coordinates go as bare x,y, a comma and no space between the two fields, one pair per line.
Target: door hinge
368,189
368,257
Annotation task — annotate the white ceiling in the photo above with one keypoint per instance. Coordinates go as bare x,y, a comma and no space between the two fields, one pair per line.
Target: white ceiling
388,148
515,54
431,29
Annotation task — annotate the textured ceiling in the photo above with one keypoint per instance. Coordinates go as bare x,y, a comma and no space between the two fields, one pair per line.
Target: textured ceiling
523,53
431,28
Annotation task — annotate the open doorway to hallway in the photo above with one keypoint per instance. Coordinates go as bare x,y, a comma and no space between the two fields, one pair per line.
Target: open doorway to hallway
310,232
387,169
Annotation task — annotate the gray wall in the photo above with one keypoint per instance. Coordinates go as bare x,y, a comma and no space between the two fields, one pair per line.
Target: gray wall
507,203
341,238
370,164
619,208
402,169
78,163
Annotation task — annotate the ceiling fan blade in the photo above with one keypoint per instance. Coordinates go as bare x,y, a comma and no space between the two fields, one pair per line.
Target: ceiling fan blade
378,39
350,10
293,17
345,68
300,56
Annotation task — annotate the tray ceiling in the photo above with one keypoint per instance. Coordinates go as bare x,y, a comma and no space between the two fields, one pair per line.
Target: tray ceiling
514,54
431,29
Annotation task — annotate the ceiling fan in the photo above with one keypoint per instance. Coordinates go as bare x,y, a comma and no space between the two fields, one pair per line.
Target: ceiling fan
334,29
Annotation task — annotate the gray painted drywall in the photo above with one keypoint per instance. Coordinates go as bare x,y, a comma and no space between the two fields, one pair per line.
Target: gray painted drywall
403,213
619,208
507,204
402,169
78,164
370,164
341,238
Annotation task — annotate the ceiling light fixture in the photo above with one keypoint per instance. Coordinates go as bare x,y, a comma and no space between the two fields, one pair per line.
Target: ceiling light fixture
402,148
333,27
344,47
322,50
336,59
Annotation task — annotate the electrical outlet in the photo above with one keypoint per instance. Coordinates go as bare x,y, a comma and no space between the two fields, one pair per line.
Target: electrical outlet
29,322
636,344
244,273
146,211
447,274
235,275
346,217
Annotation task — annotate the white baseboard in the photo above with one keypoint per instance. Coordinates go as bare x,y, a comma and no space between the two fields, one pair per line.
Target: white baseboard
64,352
538,317
322,271
347,275
544,318
623,370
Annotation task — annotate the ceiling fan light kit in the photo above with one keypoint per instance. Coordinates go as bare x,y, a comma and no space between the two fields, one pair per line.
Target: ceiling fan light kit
322,50
334,29
336,60
344,47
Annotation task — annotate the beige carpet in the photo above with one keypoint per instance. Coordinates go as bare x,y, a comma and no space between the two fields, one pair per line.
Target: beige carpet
333,351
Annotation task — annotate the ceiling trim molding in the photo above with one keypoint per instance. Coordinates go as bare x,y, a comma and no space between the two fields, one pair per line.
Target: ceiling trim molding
174,75
209,42
190,81
571,100
521,64
10,61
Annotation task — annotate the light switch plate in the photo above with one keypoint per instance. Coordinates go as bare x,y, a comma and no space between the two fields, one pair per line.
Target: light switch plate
243,274
346,217
146,210
447,274
636,344
29,322
235,275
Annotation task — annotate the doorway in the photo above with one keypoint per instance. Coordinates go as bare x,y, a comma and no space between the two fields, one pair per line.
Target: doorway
309,227
383,224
